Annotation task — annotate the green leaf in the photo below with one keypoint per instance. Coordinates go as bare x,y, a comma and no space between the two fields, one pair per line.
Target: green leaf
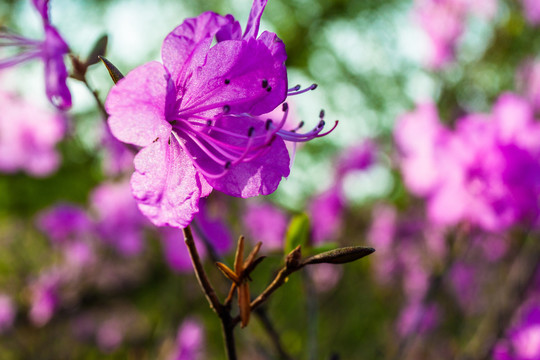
298,232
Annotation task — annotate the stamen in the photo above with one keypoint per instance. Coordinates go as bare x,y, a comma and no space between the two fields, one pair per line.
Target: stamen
296,90
321,114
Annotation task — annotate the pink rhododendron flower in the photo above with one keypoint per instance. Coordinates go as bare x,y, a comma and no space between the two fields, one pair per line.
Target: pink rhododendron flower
64,223
8,312
444,21
485,172
417,318
531,8
190,341
195,116
119,222
357,157
212,228
267,223
44,297
175,252
523,340
28,136
325,212
51,50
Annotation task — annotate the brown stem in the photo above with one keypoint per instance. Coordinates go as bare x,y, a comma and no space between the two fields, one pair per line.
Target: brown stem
227,323
96,97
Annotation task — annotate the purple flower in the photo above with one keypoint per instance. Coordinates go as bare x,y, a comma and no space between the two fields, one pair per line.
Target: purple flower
64,223
28,136
117,157
523,340
212,227
51,50
325,277
175,252
44,297
190,341
325,212
110,335
357,157
417,318
265,222
8,312
485,172
531,8
119,221
195,116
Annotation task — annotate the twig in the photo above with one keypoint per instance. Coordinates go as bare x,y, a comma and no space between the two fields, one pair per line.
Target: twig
227,323
96,97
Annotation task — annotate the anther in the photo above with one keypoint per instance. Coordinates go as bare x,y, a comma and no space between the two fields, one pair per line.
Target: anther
285,107
227,81
297,87
314,86
250,131
226,109
321,114
269,89
321,124
227,164
265,84
268,123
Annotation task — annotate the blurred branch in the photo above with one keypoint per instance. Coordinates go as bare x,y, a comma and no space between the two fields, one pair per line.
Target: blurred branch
505,304
227,323
262,315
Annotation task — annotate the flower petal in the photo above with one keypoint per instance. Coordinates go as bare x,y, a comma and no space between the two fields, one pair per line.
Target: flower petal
185,48
166,185
239,76
252,27
55,69
254,175
136,106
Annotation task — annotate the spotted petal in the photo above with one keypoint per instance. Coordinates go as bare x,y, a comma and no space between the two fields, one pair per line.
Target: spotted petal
185,48
238,77
166,185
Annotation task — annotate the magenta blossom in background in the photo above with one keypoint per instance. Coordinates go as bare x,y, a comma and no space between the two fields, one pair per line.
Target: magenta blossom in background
195,116
190,342
325,213
357,157
51,51
417,318
210,226
64,223
118,220
267,223
522,341
117,158
444,22
44,297
531,8
28,136
528,81
485,172
175,251
8,312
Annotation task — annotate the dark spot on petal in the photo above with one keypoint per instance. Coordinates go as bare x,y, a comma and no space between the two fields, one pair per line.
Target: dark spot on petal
169,141
251,130
155,140
227,81
268,123
173,122
227,164
269,89
265,84
209,123
226,109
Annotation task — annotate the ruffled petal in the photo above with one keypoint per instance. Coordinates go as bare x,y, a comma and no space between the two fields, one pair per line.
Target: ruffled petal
258,172
136,106
238,77
252,27
166,185
54,49
185,48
